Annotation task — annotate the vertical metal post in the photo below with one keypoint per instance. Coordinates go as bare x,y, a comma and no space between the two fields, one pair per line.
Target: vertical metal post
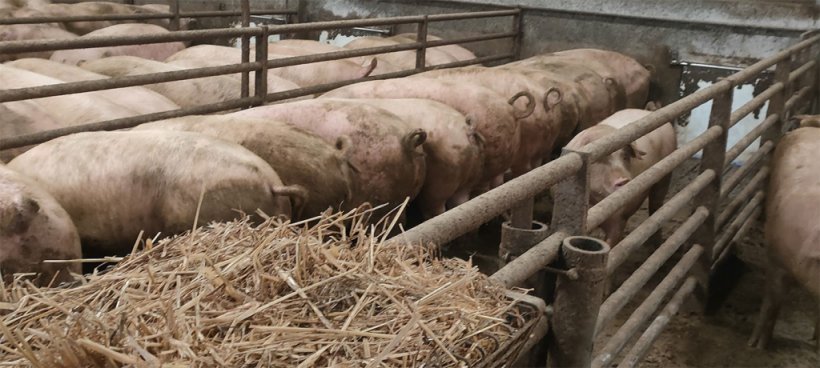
260,88
778,101
421,52
568,343
521,214
517,27
175,21
578,297
246,47
713,157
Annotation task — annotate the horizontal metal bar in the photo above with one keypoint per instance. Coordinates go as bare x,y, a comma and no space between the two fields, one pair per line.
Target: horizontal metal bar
754,103
645,311
533,260
49,90
755,69
802,69
140,16
624,249
617,300
734,178
744,229
123,123
742,196
635,355
729,232
321,88
748,139
641,183
470,215
86,42
796,98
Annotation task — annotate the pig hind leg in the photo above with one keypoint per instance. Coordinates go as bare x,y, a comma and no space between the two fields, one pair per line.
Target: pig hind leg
770,308
656,196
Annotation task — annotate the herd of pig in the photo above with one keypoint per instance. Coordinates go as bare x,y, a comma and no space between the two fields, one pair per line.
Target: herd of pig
437,138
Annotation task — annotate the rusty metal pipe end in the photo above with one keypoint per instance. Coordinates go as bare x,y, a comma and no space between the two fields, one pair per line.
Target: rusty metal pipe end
515,241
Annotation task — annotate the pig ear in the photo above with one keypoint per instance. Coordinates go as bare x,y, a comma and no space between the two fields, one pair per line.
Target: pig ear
633,151
17,219
552,98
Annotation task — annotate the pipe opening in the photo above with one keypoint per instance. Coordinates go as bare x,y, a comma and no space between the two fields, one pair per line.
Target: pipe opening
586,244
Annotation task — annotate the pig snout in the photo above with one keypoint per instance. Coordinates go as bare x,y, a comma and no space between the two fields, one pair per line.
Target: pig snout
619,182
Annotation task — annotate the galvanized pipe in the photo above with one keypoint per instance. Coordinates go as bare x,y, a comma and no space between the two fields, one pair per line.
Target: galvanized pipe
641,347
123,123
470,215
734,178
643,182
749,138
421,39
532,261
796,98
645,311
49,90
754,103
577,299
245,41
738,236
50,45
636,238
727,234
260,83
617,300
742,196
776,104
175,21
116,17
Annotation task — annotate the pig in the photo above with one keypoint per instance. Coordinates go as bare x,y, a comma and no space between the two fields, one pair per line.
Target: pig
402,59
492,115
184,93
21,118
34,228
791,230
299,157
453,151
275,83
456,52
92,8
139,99
624,70
75,109
805,121
115,184
295,47
616,170
23,32
154,51
387,154
304,75
539,130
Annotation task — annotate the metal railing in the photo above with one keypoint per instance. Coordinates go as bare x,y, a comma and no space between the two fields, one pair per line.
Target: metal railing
706,235
259,67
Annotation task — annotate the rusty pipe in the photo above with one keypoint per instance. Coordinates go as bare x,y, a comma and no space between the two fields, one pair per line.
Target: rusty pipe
729,232
749,138
734,178
641,183
532,261
754,103
635,355
577,299
636,238
802,69
794,99
645,311
738,236
742,196
617,300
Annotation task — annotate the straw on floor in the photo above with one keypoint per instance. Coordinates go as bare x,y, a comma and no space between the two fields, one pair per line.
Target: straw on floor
273,295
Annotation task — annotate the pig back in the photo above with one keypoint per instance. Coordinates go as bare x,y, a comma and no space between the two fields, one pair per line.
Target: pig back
114,184
793,207
489,112
33,228
386,153
298,157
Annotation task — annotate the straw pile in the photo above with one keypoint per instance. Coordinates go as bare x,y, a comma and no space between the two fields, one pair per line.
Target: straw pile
273,295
